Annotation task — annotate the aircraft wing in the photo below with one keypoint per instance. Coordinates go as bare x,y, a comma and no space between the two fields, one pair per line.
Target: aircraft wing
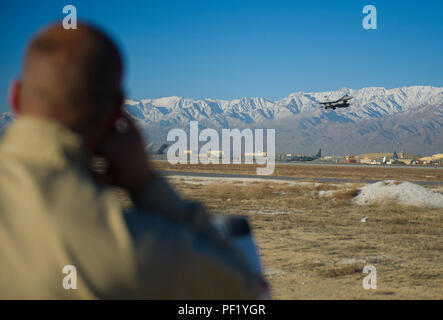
331,102
345,98
342,99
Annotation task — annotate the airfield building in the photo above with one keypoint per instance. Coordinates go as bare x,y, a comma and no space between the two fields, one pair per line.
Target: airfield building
434,159
388,158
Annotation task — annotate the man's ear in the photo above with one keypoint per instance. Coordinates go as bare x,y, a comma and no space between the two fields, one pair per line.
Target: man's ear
14,96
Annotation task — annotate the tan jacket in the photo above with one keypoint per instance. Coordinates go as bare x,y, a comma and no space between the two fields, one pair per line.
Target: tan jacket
53,214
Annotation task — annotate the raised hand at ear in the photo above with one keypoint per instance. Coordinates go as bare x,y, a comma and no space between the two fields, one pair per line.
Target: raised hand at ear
127,163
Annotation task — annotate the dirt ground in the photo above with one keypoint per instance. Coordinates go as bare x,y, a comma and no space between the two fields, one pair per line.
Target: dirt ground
312,242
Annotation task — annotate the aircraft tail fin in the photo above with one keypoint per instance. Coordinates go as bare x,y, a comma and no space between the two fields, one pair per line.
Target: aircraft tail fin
162,148
319,153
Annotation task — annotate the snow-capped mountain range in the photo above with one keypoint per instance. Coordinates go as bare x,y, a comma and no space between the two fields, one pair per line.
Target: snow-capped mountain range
368,103
406,118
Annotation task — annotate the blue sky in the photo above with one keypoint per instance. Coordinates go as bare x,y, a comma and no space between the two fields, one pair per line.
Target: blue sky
230,49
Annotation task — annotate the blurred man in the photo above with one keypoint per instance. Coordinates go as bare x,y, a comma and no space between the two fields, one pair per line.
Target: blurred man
54,212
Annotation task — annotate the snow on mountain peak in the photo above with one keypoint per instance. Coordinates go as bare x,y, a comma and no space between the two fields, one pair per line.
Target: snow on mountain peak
378,120
368,103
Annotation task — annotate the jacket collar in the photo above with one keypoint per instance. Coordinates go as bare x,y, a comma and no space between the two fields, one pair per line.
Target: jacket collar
44,141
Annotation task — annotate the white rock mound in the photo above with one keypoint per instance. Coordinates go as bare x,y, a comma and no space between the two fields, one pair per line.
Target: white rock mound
406,193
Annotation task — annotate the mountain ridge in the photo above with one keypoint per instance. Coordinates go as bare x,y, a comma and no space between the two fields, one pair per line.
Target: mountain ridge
407,119
298,118
371,102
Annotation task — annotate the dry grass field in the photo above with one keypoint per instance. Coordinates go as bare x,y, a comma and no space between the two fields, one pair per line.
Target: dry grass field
310,237
356,173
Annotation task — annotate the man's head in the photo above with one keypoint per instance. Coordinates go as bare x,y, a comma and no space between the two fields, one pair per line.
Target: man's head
72,77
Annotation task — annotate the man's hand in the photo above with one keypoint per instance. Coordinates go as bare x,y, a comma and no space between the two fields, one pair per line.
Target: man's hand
127,161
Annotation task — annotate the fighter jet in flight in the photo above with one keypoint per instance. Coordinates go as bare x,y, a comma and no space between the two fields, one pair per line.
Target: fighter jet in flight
343,102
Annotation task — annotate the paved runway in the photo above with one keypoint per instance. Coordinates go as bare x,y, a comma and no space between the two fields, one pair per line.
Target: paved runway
320,180
358,165
350,165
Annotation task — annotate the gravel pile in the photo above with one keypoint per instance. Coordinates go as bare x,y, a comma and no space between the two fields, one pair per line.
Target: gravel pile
402,192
